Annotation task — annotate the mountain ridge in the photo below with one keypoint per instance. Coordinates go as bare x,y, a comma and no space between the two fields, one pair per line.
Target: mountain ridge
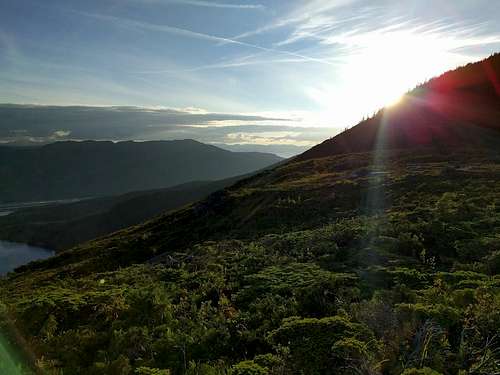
457,108
69,169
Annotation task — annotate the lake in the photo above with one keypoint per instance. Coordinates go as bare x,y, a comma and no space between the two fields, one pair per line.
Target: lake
13,255
8,208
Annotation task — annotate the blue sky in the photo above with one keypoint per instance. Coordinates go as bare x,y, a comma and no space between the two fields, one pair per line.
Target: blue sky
320,65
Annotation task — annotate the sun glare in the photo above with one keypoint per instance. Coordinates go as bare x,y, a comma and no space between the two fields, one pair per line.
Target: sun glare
391,102
382,68
393,63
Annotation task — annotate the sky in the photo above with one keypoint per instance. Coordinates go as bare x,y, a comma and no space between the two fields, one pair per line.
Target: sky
271,75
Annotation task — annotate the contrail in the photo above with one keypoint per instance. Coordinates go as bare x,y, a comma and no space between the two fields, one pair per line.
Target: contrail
210,4
197,35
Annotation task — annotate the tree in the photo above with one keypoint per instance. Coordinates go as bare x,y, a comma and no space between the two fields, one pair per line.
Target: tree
312,342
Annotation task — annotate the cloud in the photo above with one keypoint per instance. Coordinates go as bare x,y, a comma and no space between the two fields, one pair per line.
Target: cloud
268,138
285,151
61,133
213,4
39,124
20,122
359,26
351,24
238,62
129,23
305,11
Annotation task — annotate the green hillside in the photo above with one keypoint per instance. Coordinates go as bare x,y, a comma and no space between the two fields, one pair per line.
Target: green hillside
381,261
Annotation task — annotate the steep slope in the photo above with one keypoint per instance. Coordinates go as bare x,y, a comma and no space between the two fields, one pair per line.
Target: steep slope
329,252
348,263
87,169
61,226
459,108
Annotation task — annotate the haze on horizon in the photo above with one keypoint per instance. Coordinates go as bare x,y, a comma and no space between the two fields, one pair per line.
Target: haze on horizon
274,75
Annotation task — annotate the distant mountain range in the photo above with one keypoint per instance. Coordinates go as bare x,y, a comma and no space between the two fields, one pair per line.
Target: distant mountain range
65,170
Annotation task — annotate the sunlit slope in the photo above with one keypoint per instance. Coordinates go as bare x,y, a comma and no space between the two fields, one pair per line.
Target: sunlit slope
459,108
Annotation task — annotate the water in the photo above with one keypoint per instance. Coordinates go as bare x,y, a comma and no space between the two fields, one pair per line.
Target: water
13,255
8,208
11,207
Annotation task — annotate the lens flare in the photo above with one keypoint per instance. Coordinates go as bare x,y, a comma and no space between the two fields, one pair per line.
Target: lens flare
10,362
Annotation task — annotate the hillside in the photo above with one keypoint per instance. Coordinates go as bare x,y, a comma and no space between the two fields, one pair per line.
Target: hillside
460,108
64,170
61,226
336,262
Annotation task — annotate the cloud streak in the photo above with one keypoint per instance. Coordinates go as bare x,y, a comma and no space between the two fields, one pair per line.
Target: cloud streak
125,22
213,4
349,23
298,15
247,60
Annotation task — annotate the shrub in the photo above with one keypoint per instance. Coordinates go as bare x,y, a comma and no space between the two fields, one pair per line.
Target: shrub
420,371
310,341
151,371
248,368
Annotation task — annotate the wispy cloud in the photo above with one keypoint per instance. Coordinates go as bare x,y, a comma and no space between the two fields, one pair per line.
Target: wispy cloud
351,23
238,62
357,31
214,4
297,16
268,138
125,22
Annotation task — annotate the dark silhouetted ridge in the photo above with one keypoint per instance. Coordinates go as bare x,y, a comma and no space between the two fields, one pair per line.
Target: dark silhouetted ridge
64,170
457,109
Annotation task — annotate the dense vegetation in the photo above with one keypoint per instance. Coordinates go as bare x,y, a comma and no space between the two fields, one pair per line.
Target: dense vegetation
93,169
394,272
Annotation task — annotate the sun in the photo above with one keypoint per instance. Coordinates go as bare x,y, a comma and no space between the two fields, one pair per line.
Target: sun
378,68
388,64
392,102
